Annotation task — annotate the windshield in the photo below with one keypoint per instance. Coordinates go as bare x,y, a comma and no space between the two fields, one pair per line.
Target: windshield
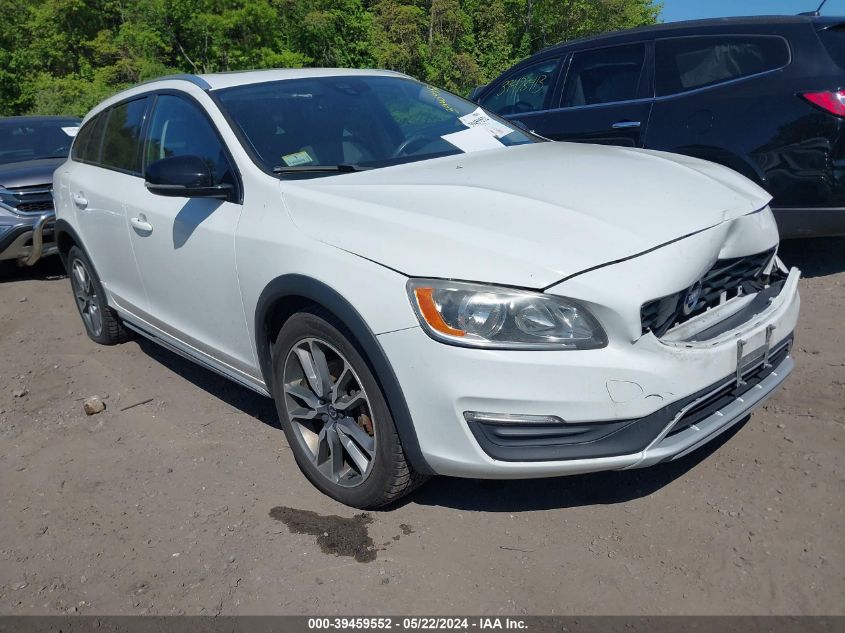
303,125
30,139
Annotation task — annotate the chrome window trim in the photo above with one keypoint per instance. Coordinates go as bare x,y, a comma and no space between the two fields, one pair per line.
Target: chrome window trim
589,106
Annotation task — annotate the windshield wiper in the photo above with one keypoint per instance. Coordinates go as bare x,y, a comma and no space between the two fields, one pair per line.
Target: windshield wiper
341,168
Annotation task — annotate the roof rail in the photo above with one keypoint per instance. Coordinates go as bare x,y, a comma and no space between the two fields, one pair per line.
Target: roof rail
194,79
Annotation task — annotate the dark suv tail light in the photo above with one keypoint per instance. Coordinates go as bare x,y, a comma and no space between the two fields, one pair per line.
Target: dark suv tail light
830,101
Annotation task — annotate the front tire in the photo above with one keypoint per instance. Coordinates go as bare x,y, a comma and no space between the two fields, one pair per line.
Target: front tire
335,416
101,322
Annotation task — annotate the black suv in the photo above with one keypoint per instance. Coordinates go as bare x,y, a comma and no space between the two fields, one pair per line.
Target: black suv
764,96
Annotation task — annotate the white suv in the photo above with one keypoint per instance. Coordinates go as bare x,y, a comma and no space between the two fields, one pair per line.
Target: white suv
421,287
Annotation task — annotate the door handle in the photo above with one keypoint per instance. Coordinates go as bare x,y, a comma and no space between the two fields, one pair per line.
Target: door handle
140,224
80,200
624,125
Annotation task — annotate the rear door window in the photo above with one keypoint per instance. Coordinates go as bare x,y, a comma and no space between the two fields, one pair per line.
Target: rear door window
89,140
121,148
605,75
527,90
687,63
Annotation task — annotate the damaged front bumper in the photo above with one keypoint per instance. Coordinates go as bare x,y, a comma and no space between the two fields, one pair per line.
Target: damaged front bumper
629,405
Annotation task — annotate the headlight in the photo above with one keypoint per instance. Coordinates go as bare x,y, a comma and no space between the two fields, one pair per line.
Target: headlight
476,315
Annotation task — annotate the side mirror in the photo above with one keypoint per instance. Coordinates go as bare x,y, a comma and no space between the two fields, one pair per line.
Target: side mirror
183,177
476,91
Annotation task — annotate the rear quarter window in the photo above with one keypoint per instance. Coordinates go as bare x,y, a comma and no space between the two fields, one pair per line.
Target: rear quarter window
833,39
688,63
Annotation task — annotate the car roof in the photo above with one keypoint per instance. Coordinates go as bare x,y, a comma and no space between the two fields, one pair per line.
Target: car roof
218,81
689,27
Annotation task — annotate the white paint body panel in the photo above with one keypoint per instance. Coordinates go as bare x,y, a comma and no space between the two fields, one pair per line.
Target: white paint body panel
610,227
524,216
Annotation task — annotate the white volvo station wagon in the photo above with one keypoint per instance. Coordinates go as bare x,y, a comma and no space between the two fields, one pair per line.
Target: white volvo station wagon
424,288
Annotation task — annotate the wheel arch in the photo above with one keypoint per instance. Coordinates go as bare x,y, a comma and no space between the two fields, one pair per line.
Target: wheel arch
286,295
66,238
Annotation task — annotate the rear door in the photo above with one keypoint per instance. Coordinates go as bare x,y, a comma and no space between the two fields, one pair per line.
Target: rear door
605,98
718,98
185,247
105,164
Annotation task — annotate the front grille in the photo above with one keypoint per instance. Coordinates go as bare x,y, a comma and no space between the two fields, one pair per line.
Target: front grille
728,277
33,200
730,392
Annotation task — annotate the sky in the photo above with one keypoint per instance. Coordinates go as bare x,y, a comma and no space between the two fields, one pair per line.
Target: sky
674,10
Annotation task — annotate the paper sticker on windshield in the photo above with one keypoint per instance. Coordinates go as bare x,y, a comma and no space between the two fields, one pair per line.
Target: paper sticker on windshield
479,118
70,131
297,158
474,139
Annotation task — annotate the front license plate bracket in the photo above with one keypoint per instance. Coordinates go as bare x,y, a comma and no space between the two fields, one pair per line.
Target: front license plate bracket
746,361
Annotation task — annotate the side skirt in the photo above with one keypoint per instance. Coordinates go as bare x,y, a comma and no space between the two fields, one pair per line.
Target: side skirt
194,357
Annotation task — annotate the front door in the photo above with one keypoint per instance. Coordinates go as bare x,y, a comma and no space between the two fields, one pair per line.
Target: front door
605,99
185,247
526,94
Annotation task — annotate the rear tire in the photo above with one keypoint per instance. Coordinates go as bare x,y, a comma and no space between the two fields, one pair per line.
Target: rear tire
335,416
101,322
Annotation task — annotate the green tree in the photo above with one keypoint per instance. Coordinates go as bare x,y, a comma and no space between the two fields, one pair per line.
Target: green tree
64,56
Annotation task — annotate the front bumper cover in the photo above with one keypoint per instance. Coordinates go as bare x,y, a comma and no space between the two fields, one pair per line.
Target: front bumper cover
622,400
667,433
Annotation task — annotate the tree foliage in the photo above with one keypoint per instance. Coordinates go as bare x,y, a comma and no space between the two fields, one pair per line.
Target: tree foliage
64,56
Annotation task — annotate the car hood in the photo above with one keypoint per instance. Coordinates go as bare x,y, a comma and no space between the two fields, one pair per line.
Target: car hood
29,173
525,216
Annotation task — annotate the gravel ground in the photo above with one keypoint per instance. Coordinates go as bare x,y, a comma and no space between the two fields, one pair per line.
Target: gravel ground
191,502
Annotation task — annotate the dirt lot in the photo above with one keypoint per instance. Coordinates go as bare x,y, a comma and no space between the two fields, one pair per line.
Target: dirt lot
191,502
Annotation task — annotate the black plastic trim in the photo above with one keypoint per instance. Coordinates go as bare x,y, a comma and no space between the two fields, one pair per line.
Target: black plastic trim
759,303
320,293
810,222
555,442
63,227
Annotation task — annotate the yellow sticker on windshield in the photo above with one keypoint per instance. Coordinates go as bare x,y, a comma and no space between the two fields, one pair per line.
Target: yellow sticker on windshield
297,158
438,97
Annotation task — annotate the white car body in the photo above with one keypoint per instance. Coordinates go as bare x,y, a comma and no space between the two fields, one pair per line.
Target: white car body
609,227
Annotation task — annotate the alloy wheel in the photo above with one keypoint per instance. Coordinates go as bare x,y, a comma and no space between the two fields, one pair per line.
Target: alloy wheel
85,294
329,412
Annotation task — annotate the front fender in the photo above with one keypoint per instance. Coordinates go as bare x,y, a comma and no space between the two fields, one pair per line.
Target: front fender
295,285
